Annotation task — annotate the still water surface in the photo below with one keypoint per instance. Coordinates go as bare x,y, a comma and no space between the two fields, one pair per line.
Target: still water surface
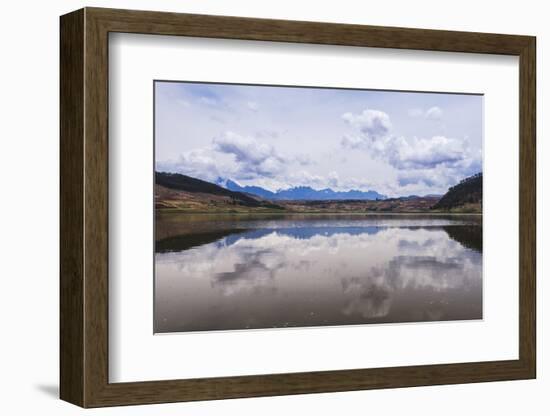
222,272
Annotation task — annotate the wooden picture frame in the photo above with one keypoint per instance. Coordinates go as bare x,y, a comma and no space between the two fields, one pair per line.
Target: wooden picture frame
84,207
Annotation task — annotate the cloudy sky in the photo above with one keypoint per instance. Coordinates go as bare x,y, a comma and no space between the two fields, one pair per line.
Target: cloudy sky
396,143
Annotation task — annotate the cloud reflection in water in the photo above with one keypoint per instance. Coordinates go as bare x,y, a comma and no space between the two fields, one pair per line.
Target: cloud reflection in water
309,276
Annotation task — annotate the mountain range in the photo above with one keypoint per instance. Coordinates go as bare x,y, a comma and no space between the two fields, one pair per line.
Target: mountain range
302,193
183,193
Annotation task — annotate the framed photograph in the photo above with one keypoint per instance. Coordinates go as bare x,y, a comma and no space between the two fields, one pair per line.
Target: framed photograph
255,207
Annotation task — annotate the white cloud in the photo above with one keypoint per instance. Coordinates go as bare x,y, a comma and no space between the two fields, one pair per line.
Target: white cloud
198,163
372,123
352,141
433,113
246,160
403,153
417,153
305,178
435,162
251,162
422,165
254,158
433,178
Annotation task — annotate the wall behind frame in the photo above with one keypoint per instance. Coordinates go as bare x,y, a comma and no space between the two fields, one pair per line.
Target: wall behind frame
29,211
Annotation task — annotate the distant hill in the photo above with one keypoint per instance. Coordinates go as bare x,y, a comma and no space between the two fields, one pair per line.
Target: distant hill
174,189
389,205
303,193
430,196
466,195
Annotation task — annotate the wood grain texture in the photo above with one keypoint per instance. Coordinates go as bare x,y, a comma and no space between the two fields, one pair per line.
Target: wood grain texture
84,207
71,208
527,207
162,23
96,219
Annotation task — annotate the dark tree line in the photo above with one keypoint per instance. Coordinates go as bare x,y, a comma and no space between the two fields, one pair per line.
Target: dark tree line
468,190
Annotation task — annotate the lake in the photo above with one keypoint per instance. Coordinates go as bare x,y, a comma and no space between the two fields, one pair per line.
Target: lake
227,272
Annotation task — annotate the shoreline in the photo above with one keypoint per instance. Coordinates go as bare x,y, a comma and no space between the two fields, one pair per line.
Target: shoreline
177,211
